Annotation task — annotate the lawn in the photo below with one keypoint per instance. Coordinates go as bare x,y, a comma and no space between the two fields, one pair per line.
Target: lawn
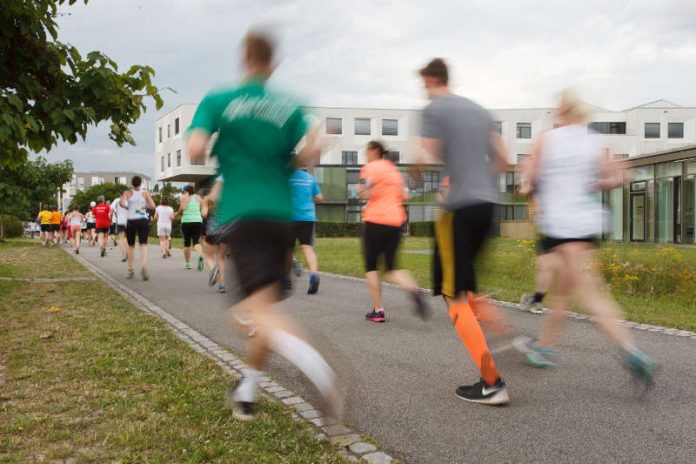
87,378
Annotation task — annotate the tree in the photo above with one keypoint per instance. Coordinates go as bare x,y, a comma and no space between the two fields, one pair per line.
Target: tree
50,92
109,190
170,192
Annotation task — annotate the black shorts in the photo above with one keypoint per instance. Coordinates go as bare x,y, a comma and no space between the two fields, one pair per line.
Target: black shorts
91,225
260,254
120,228
216,235
139,228
547,244
192,233
304,232
112,229
378,240
46,228
55,227
459,238
102,230
204,230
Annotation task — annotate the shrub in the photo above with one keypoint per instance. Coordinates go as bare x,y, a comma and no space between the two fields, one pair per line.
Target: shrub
338,229
10,226
421,229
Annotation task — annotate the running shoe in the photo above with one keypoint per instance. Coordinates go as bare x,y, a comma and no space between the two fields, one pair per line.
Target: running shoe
144,274
213,276
241,410
287,283
313,284
123,260
131,273
534,307
222,289
420,306
102,253
297,267
481,392
77,252
641,366
376,316
535,354
188,266
201,264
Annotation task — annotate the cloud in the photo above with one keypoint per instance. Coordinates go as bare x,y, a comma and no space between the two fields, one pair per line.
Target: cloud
365,53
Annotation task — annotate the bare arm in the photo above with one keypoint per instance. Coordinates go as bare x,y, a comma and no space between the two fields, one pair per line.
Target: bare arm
531,168
498,152
148,200
196,144
611,173
123,201
311,152
182,205
318,198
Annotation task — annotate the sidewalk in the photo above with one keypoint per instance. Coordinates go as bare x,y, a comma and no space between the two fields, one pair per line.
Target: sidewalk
405,373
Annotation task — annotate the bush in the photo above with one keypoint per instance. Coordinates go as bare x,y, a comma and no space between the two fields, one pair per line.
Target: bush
421,229
10,226
338,229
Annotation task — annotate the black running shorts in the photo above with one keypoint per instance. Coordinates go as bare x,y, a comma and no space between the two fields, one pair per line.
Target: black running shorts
304,232
191,231
120,228
139,228
46,228
459,237
260,251
379,240
102,230
547,244
55,227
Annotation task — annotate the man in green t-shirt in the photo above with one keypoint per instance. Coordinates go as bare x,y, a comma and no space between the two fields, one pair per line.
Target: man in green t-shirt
257,131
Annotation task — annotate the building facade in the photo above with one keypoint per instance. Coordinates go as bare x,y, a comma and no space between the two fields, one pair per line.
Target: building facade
83,180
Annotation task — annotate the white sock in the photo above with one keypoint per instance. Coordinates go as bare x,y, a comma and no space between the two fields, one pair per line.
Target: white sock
305,358
246,390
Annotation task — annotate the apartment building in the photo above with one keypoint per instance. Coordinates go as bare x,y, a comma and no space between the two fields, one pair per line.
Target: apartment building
83,180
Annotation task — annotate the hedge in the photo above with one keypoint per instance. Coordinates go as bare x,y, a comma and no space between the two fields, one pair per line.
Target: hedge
338,229
11,226
421,229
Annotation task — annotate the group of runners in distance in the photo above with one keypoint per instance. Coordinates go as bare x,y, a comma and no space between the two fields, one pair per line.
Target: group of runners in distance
262,203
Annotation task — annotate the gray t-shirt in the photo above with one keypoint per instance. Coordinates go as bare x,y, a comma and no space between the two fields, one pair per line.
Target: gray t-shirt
464,129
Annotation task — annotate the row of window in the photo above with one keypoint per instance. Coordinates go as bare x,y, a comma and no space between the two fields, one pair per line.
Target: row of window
363,126
168,160
350,157
169,130
675,130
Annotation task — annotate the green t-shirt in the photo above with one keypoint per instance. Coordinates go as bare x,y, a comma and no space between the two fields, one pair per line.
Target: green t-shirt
257,132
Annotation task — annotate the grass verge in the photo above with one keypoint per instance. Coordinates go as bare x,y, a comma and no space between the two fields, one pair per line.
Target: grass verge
88,378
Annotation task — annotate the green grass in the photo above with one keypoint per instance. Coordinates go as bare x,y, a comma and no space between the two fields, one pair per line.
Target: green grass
507,271
91,379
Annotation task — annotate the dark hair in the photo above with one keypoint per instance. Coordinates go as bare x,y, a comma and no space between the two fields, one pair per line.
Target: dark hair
437,68
190,189
164,201
204,192
136,181
258,48
379,146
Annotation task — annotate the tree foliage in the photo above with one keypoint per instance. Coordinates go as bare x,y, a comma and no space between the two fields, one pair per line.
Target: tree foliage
24,188
109,190
51,92
170,192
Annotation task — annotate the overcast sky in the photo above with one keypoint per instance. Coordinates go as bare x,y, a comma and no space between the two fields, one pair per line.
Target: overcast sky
365,53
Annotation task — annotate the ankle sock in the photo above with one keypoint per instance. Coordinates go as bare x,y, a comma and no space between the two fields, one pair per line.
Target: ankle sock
246,390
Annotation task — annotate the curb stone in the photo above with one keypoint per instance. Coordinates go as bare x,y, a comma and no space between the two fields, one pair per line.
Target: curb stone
295,405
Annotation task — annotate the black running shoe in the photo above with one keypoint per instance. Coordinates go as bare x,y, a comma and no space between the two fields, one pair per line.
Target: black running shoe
313,284
420,306
103,252
241,410
213,276
481,392
287,284
376,316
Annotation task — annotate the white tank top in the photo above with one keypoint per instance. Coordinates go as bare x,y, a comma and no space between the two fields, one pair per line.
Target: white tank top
90,217
120,213
75,220
569,205
136,206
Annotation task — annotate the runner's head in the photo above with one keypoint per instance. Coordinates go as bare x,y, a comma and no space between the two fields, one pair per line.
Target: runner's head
435,77
136,182
100,199
164,201
190,189
375,150
571,109
258,54
92,204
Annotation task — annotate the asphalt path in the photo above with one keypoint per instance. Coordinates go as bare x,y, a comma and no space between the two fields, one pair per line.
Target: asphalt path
403,375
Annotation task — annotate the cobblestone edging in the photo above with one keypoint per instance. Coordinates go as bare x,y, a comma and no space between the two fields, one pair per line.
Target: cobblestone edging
576,316
44,280
349,441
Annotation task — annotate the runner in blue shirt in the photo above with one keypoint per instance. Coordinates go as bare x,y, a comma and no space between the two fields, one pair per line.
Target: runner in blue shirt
305,193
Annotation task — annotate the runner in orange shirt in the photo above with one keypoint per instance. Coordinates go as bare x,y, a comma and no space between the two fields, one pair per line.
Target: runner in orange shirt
382,185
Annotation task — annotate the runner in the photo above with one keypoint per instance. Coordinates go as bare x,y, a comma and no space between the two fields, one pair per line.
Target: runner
164,216
56,219
462,134
120,218
257,132
305,193
75,220
44,219
111,236
102,216
191,225
382,185
137,202
216,250
91,224
64,229
569,165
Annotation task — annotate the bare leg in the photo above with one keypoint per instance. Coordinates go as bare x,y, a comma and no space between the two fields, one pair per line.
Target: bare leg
211,255
221,258
311,258
375,288
163,244
131,257
143,256
403,279
123,244
187,254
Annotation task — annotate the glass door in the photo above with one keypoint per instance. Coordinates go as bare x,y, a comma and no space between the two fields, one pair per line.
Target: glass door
689,209
638,217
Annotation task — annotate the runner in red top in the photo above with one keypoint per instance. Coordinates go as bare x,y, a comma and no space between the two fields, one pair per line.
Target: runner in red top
102,213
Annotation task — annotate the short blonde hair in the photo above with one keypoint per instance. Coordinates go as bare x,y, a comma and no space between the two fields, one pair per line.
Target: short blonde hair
571,106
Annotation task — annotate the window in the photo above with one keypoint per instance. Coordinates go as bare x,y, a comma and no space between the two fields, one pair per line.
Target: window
349,158
334,126
431,181
521,157
116,180
675,130
176,126
390,127
498,126
169,160
394,156
159,130
609,127
162,163
524,130
123,180
178,158
652,130
169,130
362,126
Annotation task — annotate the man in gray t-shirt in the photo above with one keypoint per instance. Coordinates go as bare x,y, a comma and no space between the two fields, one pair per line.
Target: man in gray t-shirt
461,134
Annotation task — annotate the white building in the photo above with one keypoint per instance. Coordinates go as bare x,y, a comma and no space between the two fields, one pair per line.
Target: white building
83,180
650,128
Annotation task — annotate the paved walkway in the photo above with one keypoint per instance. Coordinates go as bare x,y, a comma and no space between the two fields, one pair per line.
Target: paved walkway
405,373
